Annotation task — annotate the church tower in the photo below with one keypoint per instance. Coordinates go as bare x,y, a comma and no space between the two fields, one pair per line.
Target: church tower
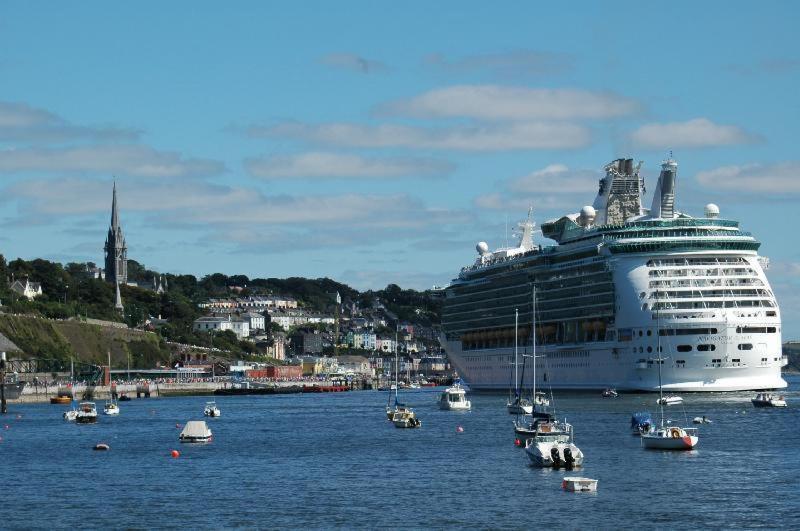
116,250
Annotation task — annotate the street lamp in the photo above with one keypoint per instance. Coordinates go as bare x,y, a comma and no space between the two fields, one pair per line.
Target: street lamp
66,287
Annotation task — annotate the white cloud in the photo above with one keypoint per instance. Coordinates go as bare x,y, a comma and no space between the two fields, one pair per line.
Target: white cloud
378,279
556,179
502,137
134,160
504,64
494,102
781,178
239,215
21,122
349,61
342,165
699,132
554,187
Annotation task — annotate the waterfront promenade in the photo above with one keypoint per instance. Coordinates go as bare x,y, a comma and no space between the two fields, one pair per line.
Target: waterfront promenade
165,388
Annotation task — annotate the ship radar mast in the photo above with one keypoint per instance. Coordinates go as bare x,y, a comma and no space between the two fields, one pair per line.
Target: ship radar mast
525,232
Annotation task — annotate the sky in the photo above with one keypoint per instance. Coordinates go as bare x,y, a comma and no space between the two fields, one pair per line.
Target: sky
376,142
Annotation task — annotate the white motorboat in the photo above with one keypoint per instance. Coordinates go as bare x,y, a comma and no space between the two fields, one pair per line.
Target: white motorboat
111,408
610,393
669,400
768,400
71,415
578,484
211,410
195,431
552,446
454,399
701,420
87,413
405,418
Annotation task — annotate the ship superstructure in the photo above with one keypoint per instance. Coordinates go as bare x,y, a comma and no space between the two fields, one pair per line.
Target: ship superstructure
624,288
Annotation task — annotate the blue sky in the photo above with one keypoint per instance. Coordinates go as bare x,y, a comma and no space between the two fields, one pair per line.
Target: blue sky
376,142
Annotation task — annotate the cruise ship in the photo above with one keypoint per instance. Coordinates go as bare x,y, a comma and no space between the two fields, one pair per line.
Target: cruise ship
624,289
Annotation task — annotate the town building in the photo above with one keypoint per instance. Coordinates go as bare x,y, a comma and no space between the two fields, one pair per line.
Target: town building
239,327
26,288
306,342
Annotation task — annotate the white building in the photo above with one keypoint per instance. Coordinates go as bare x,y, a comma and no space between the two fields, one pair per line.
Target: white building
213,324
355,365
29,290
256,320
384,344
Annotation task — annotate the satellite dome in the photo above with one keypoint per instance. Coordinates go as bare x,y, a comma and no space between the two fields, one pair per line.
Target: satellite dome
712,210
482,248
588,214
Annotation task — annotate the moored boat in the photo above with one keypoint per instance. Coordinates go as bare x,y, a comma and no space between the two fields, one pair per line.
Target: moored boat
554,448
768,400
87,413
641,422
454,399
211,410
195,431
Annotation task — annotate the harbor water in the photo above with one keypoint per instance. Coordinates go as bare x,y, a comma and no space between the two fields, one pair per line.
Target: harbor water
333,460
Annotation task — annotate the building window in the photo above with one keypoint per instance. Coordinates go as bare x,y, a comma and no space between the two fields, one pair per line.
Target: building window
684,348
745,346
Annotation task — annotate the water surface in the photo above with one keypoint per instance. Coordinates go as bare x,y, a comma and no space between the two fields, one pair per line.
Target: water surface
332,460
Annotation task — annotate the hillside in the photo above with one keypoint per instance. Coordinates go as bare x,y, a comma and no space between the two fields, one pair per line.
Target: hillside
84,342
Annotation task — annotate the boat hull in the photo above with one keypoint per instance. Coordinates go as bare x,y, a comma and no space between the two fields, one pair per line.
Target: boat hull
687,442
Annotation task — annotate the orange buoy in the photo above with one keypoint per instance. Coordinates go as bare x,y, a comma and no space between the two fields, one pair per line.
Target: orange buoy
517,442
175,453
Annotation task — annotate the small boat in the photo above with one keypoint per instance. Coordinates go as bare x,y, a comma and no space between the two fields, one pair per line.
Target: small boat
610,393
102,447
553,446
641,422
87,413
71,415
768,400
578,484
61,399
701,420
670,438
519,406
454,399
195,431
111,408
414,385
405,418
211,410
669,400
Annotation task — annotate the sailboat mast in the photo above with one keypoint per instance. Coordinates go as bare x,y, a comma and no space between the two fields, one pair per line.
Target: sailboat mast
660,358
533,339
396,365
516,363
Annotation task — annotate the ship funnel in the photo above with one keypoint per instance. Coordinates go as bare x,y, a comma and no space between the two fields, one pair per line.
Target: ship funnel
664,196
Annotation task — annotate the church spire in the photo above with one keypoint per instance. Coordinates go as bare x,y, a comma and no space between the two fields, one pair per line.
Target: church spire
118,304
114,213
116,251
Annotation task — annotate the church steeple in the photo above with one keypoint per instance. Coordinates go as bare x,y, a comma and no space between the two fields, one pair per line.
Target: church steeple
116,250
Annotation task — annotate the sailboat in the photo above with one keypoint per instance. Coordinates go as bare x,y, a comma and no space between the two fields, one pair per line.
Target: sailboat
667,437
111,407
528,426
400,415
517,404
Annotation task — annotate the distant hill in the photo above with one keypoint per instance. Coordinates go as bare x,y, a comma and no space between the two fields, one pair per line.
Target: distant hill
791,349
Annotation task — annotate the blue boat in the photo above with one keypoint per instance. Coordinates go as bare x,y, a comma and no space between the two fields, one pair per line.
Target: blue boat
641,422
